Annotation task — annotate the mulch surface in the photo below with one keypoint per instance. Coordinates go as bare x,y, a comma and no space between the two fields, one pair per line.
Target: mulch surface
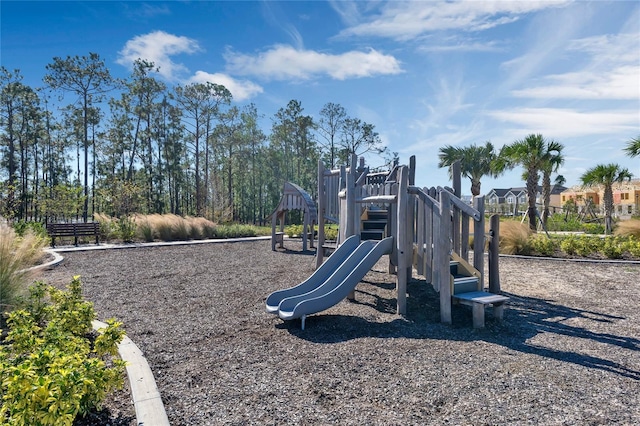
567,351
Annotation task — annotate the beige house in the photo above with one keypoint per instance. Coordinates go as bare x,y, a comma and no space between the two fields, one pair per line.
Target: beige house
626,198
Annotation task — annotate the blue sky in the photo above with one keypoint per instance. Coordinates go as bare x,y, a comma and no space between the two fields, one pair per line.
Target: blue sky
426,73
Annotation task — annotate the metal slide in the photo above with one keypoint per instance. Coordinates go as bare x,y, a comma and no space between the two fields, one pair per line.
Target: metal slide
338,286
318,277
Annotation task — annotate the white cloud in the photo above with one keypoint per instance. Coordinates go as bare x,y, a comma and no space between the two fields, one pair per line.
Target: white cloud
612,71
619,83
240,89
158,47
462,45
283,62
557,122
408,20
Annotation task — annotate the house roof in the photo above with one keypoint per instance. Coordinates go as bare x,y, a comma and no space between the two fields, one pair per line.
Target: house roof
500,192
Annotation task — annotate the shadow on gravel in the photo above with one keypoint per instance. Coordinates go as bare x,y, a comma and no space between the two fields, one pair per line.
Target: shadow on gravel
524,318
103,417
311,253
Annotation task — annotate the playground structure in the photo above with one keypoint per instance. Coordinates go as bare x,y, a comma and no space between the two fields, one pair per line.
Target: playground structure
423,228
293,198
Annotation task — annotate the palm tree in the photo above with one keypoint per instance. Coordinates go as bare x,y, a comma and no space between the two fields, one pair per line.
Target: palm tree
554,160
633,147
475,162
534,153
606,175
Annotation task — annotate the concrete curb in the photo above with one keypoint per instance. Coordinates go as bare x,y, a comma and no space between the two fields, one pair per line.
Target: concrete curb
144,391
155,244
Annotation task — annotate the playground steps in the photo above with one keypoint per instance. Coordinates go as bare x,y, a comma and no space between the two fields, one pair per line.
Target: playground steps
374,225
466,291
462,281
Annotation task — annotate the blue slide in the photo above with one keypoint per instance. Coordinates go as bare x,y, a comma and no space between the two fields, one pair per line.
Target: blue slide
336,287
318,277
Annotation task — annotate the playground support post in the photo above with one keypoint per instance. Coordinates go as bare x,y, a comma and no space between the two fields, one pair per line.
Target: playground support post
411,213
402,244
456,176
478,238
321,213
442,253
494,247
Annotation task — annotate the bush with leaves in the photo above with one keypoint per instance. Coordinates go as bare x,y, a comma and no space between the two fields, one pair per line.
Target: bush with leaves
543,245
633,246
37,228
613,247
588,245
53,367
565,223
569,244
593,228
127,229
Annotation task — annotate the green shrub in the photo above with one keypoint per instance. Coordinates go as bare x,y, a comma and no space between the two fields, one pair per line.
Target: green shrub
613,248
633,246
53,367
588,245
127,229
542,244
36,228
593,228
569,245
564,223
235,231
331,233
293,230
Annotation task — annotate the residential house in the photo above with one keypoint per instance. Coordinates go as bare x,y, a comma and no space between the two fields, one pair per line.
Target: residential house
626,198
514,201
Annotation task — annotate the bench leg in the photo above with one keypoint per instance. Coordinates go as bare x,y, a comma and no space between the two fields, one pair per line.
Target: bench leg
498,311
478,315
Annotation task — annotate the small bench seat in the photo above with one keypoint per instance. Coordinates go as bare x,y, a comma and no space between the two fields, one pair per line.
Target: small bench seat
478,300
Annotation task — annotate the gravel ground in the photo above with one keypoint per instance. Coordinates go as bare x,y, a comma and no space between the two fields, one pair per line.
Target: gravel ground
567,352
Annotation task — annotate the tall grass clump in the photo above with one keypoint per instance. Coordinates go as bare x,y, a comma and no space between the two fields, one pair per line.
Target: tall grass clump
208,229
144,230
164,227
628,228
16,254
513,237
181,229
200,227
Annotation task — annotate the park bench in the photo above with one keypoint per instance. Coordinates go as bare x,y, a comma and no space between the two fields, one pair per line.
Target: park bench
75,230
